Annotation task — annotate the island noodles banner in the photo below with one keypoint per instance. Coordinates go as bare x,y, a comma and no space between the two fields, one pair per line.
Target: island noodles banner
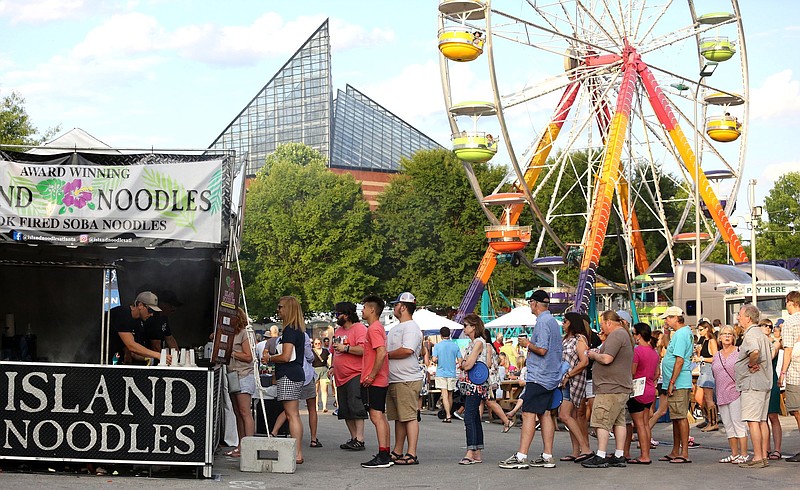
111,205
103,413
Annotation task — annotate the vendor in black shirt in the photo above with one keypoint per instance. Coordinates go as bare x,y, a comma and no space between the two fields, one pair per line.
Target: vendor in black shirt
127,329
156,328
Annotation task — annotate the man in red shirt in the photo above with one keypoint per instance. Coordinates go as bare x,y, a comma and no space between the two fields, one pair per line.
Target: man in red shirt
347,349
498,343
375,379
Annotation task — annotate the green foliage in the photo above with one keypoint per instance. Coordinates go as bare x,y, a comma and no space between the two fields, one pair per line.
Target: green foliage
433,228
307,233
777,238
16,127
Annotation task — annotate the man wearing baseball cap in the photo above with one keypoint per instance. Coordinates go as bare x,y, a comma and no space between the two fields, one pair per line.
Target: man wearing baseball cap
543,364
403,344
677,371
128,325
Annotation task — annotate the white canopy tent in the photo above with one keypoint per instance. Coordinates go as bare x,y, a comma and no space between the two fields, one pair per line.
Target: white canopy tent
520,316
430,323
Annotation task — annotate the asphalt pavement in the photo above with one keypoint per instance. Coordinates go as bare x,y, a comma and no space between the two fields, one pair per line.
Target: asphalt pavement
441,447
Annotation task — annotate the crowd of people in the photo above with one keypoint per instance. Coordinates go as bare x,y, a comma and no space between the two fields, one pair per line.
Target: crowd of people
609,384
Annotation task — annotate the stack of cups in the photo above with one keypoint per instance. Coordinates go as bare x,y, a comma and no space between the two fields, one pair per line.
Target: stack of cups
163,361
174,354
182,361
190,362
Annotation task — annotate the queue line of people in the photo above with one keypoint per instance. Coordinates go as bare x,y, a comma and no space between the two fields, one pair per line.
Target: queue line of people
378,376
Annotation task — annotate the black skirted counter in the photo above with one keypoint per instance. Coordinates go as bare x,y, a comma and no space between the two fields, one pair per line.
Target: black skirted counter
109,414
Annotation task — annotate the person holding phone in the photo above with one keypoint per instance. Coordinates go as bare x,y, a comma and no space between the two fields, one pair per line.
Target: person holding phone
543,364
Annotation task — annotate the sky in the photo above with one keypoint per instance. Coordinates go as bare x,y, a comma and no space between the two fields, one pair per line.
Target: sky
171,74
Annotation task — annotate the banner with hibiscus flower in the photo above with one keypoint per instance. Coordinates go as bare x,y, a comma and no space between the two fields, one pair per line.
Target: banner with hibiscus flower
112,205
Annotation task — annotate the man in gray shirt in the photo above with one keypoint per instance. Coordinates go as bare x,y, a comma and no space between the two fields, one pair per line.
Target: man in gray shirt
754,380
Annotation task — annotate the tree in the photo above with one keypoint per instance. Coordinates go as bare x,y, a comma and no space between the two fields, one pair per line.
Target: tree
16,127
433,228
777,238
307,233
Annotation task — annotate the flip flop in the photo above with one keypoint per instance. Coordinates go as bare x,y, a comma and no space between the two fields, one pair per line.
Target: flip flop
638,461
568,457
466,461
680,460
775,456
583,457
447,421
666,458
507,426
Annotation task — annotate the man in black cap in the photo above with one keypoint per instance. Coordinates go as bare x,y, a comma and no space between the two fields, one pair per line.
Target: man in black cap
156,328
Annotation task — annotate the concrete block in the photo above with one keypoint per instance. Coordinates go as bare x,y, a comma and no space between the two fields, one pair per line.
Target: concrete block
268,454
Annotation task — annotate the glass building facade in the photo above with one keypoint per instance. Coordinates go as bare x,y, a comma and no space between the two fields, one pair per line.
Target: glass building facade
368,137
296,106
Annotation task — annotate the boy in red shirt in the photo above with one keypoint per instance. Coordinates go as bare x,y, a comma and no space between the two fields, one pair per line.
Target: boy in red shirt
375,379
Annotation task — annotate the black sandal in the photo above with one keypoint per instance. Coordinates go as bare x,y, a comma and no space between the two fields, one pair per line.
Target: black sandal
315,443
407,460
394,456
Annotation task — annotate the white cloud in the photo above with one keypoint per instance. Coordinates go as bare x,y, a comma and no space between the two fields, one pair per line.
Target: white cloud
345,36
41,11
415,92
773,171
777,97
121,36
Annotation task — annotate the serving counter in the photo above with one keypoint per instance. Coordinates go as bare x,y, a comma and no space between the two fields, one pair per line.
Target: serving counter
110,414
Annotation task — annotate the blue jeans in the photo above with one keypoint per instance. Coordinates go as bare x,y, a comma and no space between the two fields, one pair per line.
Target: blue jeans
472,422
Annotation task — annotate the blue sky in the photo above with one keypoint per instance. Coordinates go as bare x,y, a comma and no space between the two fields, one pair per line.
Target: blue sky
173,73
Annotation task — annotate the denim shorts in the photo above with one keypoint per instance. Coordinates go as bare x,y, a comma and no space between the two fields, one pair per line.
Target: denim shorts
706,378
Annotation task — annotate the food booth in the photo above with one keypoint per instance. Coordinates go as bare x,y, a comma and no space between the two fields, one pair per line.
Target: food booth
80,234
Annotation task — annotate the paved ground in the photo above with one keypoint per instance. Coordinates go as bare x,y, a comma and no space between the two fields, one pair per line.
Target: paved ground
440,449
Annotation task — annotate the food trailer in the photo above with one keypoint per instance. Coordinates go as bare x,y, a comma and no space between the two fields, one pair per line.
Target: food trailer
82,233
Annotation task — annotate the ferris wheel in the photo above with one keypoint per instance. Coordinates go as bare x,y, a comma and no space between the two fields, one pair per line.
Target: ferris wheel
606,112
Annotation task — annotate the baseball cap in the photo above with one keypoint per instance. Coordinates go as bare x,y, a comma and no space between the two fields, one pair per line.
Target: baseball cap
540,296
671,311
625,316
148,299
405,298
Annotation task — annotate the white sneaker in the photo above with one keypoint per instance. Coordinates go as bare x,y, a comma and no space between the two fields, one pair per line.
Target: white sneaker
513,463
542,462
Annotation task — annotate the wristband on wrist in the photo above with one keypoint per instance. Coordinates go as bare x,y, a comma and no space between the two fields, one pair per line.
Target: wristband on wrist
347,348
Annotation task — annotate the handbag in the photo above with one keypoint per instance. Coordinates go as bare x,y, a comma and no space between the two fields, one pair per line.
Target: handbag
479,373
233,382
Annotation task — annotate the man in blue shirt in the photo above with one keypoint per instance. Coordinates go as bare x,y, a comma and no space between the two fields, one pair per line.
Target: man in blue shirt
446,355
543,364
677,372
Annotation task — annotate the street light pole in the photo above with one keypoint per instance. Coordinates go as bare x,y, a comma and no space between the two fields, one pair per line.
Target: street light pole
755,215
706,71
